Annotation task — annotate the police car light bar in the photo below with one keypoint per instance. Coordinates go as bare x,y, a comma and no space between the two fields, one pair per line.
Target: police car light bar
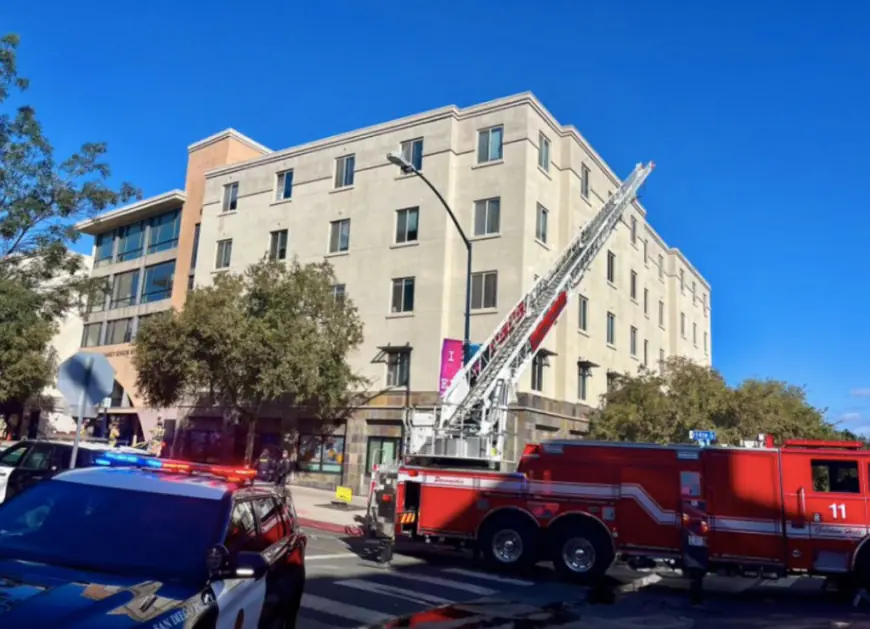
122,459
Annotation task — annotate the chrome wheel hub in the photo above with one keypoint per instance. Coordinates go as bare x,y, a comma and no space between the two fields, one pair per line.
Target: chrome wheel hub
507,546
578,555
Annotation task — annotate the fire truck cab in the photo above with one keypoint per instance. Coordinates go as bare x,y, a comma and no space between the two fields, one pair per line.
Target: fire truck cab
802,508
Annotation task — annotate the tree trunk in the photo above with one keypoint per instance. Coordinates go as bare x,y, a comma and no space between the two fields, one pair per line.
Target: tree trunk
249,445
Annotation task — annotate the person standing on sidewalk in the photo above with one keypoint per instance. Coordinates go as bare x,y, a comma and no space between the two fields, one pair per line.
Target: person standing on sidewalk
282,471
266,466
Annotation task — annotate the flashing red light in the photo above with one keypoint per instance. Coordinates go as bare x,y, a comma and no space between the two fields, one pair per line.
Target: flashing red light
532,449
413,473
229,472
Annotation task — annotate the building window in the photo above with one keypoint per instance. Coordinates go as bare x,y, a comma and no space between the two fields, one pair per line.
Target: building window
284,186
398,369
695,334
646,301
194,254
231,197
645,352
278,245
541,224
661,313
611,381
158,282
412,152
633,222
583,322
381,451
489,145
704,303
224,254
407,222
543,152
130,241
105,248
632,340
645,254
661,267
403,295
661,361
319,453
119,331
339,236
683,324
611,267
705,342
125,287
487,215
339,292
694,295
164,231
584,181
582,382
91,334
611,328
344,170
484,290
682,280
632,286
538,364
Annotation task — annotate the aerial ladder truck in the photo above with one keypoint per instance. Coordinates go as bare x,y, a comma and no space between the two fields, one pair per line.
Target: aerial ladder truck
469,426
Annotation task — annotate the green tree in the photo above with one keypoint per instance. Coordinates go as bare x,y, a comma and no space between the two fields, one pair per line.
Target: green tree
664,407
41,199
275,333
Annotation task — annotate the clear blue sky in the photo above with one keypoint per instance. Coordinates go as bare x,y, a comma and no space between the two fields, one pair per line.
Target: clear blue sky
755,112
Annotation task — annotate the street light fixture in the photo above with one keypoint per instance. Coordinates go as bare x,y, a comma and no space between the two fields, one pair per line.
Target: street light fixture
408,168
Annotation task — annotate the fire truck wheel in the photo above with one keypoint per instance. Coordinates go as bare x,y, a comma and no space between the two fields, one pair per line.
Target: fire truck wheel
581,551
509,542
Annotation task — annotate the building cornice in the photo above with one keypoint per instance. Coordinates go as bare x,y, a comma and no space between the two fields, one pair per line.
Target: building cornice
225,134
132,212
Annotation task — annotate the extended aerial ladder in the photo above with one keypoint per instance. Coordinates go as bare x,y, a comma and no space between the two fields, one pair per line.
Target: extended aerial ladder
471,420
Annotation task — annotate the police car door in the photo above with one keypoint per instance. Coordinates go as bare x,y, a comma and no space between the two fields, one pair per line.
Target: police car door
36,466
240,601
9,462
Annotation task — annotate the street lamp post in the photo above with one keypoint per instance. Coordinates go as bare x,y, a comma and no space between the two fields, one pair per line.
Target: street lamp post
407,167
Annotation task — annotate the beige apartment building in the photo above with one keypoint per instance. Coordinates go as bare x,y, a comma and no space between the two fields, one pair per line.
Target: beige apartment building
520,183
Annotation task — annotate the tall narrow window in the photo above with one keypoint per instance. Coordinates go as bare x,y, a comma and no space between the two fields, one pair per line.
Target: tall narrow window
339,236
584,313
611,328
484,290
105,248
490,145
683,324
661,361
632,288
231,197
224,254
543,152
338,293
398,368
632,340
645,352
661,313
406,225
646,301
278,245
584,181
194,254
541,224
582,382
682,280
633,222
403,295
695,334
412,152
611,267
284,186
645,250
487,215
344,171
661,267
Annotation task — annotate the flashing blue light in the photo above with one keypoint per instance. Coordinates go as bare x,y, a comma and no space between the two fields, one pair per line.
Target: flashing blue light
125,458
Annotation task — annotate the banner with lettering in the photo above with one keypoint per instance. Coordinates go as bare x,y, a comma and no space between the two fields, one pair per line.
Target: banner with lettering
451,362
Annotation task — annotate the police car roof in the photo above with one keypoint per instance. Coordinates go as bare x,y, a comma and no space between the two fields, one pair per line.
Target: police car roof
146,481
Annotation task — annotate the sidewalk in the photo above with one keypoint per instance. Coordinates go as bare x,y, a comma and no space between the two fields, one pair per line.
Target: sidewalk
319,509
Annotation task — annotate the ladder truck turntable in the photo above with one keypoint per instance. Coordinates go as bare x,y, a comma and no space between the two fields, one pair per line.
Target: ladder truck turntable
581,504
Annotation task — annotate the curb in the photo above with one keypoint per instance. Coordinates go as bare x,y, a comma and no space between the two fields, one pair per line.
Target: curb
637,584
331,527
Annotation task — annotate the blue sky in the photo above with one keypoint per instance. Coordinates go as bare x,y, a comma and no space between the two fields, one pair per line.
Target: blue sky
755,113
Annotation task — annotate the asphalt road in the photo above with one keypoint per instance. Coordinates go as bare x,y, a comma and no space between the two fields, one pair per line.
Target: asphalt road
345,590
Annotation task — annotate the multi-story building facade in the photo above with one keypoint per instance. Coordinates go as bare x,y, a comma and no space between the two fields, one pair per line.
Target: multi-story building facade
521,185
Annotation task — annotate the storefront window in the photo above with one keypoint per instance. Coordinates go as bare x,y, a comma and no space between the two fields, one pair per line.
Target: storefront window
321,454
381,450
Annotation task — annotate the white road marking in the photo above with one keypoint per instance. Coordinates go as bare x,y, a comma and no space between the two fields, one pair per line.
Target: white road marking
447,583
342,610
333,556
489,577
391,590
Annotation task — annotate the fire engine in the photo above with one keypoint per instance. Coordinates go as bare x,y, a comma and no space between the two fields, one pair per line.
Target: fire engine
801,508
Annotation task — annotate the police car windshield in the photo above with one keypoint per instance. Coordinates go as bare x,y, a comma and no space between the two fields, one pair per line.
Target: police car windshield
155,536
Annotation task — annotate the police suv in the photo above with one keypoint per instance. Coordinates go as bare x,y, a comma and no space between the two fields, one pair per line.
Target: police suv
144,542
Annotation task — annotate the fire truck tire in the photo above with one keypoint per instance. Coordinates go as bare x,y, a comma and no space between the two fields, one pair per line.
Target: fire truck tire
581,550
509,542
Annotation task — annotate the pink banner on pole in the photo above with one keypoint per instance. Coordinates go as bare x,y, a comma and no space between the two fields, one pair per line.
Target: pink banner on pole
451,362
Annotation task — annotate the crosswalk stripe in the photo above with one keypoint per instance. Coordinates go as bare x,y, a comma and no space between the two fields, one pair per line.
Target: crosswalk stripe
447,583
489,577
392,590
342,610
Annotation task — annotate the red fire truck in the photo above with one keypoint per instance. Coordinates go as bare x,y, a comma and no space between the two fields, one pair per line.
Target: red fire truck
802,508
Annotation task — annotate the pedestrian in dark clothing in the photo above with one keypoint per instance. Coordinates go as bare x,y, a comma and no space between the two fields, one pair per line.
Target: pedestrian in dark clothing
266,467
282,470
